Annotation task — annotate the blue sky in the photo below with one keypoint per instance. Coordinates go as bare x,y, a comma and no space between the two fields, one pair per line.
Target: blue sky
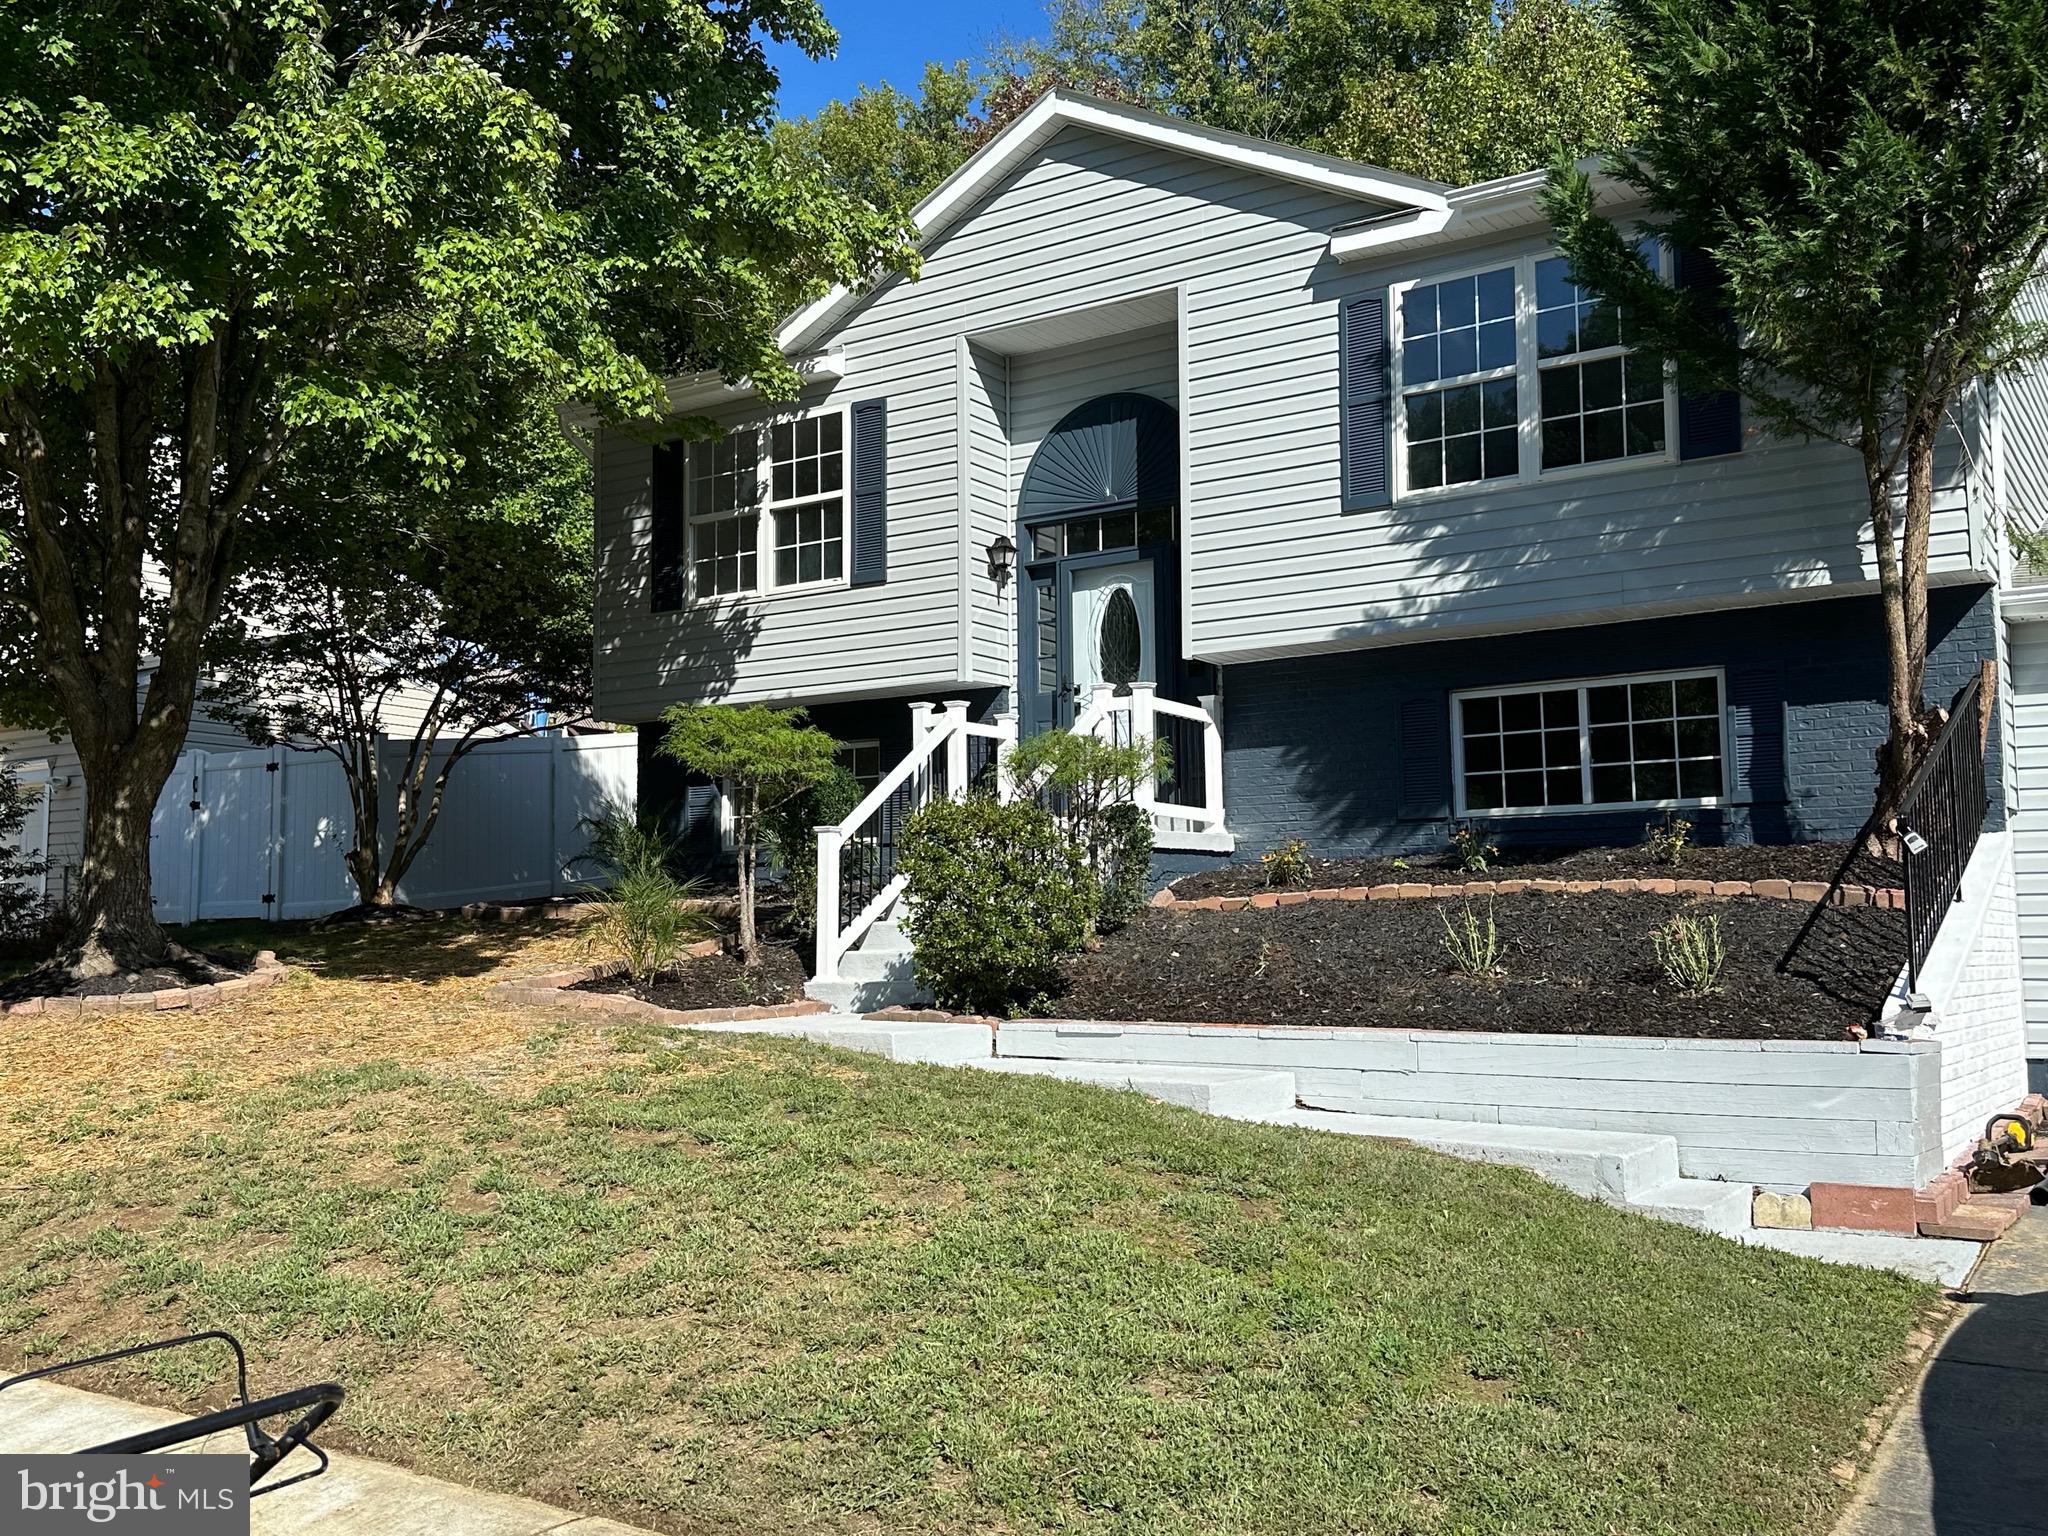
891,40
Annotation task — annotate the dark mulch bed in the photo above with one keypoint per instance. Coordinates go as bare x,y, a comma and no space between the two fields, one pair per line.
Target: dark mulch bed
1739,861
720,981
185,968
1572,964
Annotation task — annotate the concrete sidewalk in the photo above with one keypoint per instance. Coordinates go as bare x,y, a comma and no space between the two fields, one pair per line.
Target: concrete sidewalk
354,1497
1968,1455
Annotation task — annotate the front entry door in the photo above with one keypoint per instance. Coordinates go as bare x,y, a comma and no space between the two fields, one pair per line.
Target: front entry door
1112,626
1090,620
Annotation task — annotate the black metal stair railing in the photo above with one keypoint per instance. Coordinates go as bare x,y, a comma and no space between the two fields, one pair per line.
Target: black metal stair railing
1940,820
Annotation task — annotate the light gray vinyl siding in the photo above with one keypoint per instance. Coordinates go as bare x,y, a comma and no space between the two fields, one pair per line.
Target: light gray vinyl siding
2023,423
1280,568
1090,220
2030,826
989,496
1045,386
1272,564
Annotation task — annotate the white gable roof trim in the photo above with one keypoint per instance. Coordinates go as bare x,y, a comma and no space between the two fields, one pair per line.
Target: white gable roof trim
1495,207
1058,109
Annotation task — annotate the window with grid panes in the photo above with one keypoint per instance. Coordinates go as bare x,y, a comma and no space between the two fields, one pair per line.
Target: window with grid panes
1605,743
807,478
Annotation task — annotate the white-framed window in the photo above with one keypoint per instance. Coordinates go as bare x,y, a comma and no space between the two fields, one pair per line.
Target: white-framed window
862,759
1638,742
1513,373
767,507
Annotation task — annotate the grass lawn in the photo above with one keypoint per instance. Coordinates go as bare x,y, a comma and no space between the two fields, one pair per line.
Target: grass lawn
715,1284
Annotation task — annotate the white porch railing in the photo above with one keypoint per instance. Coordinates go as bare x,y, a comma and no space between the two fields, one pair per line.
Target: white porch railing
949,753
857,878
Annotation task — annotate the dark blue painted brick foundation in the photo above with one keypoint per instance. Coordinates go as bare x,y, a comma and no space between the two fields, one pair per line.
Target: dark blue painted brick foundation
1312,746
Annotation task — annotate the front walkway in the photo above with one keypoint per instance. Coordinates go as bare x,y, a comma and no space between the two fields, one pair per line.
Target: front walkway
1968,1456
354,1497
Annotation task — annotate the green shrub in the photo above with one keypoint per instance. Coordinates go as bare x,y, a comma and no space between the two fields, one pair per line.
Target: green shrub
1086,784
790,829
1469,846
624,841
641,919
997,895
1668,839
1473,944
1689,950
1127,866
21,906
1288,864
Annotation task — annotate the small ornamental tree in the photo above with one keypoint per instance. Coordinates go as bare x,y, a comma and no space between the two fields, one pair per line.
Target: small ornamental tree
764,757
1869,186
20,905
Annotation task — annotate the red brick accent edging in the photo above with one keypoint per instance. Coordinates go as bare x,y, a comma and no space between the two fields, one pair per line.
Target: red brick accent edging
1932,1211
551,990
268,972
1772,890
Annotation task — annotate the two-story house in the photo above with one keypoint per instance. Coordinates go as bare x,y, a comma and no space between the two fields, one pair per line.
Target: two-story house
1385,493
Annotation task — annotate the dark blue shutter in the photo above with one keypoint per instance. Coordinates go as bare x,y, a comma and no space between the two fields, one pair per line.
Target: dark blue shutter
1425,759
1756,731
870,492
1708,424
665,540
1362,380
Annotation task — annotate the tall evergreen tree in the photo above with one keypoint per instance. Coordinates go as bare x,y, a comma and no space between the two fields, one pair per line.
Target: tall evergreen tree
1869,183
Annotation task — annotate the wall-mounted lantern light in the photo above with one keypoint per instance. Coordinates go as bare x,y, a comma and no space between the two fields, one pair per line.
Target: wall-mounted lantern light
1002,559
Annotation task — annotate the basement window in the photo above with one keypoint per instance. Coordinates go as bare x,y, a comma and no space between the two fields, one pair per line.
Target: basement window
1645,741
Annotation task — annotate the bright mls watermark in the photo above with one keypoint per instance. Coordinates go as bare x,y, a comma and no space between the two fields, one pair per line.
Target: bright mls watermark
159,1495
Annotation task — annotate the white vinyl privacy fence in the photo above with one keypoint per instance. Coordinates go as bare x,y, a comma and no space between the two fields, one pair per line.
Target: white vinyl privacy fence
261,832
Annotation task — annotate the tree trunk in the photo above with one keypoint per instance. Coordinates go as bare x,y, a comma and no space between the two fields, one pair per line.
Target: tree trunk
1902,587
111,925
743,849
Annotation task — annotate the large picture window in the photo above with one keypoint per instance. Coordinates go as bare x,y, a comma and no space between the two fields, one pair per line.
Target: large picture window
1516,372
1607,743
769,500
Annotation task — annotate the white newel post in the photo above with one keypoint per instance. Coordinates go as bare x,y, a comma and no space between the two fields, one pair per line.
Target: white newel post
1006,743
923,721
1144,724
1212,766
956,749
1101,700
829,841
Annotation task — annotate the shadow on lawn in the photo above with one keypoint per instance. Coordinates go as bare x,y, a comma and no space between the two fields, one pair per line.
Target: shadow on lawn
426,951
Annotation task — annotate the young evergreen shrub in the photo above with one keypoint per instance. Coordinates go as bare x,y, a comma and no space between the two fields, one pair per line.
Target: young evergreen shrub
1126,865
21,907
790,829
997,896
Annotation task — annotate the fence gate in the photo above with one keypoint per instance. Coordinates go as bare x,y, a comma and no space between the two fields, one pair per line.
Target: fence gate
261,832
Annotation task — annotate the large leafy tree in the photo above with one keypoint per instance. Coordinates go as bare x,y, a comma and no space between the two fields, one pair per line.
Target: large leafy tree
1458,90
1869,182
226,224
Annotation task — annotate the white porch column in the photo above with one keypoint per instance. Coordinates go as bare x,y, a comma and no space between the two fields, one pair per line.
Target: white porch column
1144,726
956,749
1006,743
829,841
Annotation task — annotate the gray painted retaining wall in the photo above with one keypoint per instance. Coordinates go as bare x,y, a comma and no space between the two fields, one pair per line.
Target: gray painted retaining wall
1777,1113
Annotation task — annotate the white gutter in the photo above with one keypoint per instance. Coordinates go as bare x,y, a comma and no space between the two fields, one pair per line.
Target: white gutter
690,392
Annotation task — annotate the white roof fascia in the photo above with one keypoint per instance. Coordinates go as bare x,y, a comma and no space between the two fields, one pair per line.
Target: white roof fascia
689,392
1485,207
1058,109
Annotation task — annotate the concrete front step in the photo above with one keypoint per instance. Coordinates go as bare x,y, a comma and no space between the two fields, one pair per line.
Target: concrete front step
879,974
1634,1171
1239,1094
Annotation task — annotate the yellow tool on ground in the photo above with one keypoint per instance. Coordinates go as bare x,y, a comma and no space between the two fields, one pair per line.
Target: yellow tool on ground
2009,1157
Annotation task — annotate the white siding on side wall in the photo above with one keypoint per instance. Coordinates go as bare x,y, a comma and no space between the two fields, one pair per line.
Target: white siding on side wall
2030,826
2023,423
990,494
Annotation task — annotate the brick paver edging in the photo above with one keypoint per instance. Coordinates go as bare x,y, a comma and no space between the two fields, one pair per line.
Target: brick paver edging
1773,890
268,972
551,989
